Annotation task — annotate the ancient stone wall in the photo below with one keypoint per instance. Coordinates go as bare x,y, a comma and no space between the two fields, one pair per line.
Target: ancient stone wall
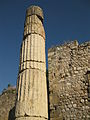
7,104
69,81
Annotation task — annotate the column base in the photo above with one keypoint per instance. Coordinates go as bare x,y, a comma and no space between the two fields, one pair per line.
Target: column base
31,118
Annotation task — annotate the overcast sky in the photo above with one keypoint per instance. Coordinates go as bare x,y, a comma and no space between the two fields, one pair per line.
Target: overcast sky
64,20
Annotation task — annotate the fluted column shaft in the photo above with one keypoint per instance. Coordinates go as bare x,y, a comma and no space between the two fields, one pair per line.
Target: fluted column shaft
31,101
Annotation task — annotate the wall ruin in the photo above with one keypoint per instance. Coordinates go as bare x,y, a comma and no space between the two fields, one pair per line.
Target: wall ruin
69,81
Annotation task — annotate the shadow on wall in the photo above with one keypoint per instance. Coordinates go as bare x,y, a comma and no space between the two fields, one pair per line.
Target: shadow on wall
12,114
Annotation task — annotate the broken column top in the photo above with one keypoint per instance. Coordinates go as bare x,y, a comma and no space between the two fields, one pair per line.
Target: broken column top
35,10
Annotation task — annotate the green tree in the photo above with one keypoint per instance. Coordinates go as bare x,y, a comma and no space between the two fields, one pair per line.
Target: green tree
9,85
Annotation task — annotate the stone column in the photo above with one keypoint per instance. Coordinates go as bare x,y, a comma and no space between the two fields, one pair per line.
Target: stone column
31,103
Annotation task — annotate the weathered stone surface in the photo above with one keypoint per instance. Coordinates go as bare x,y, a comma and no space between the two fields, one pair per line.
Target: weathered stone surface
7,104
30,118
32,100
69,71
35,10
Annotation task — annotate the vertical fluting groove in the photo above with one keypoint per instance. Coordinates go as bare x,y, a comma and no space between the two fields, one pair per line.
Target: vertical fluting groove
30,63
17,87
37,85
40,73
30,24
26,88
37,63
43,86
27,24
19,81
31,48
27,70
34,44
37,67
21,87
31,79
33,69
25,51
41,48
28,20
27,30
28,83
28,48
41,89
24,85
34,89
40,51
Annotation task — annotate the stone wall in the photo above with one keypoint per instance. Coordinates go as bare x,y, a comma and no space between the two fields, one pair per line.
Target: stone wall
7,104
69,81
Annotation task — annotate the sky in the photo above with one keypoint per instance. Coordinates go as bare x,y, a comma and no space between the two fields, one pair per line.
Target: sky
64,20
